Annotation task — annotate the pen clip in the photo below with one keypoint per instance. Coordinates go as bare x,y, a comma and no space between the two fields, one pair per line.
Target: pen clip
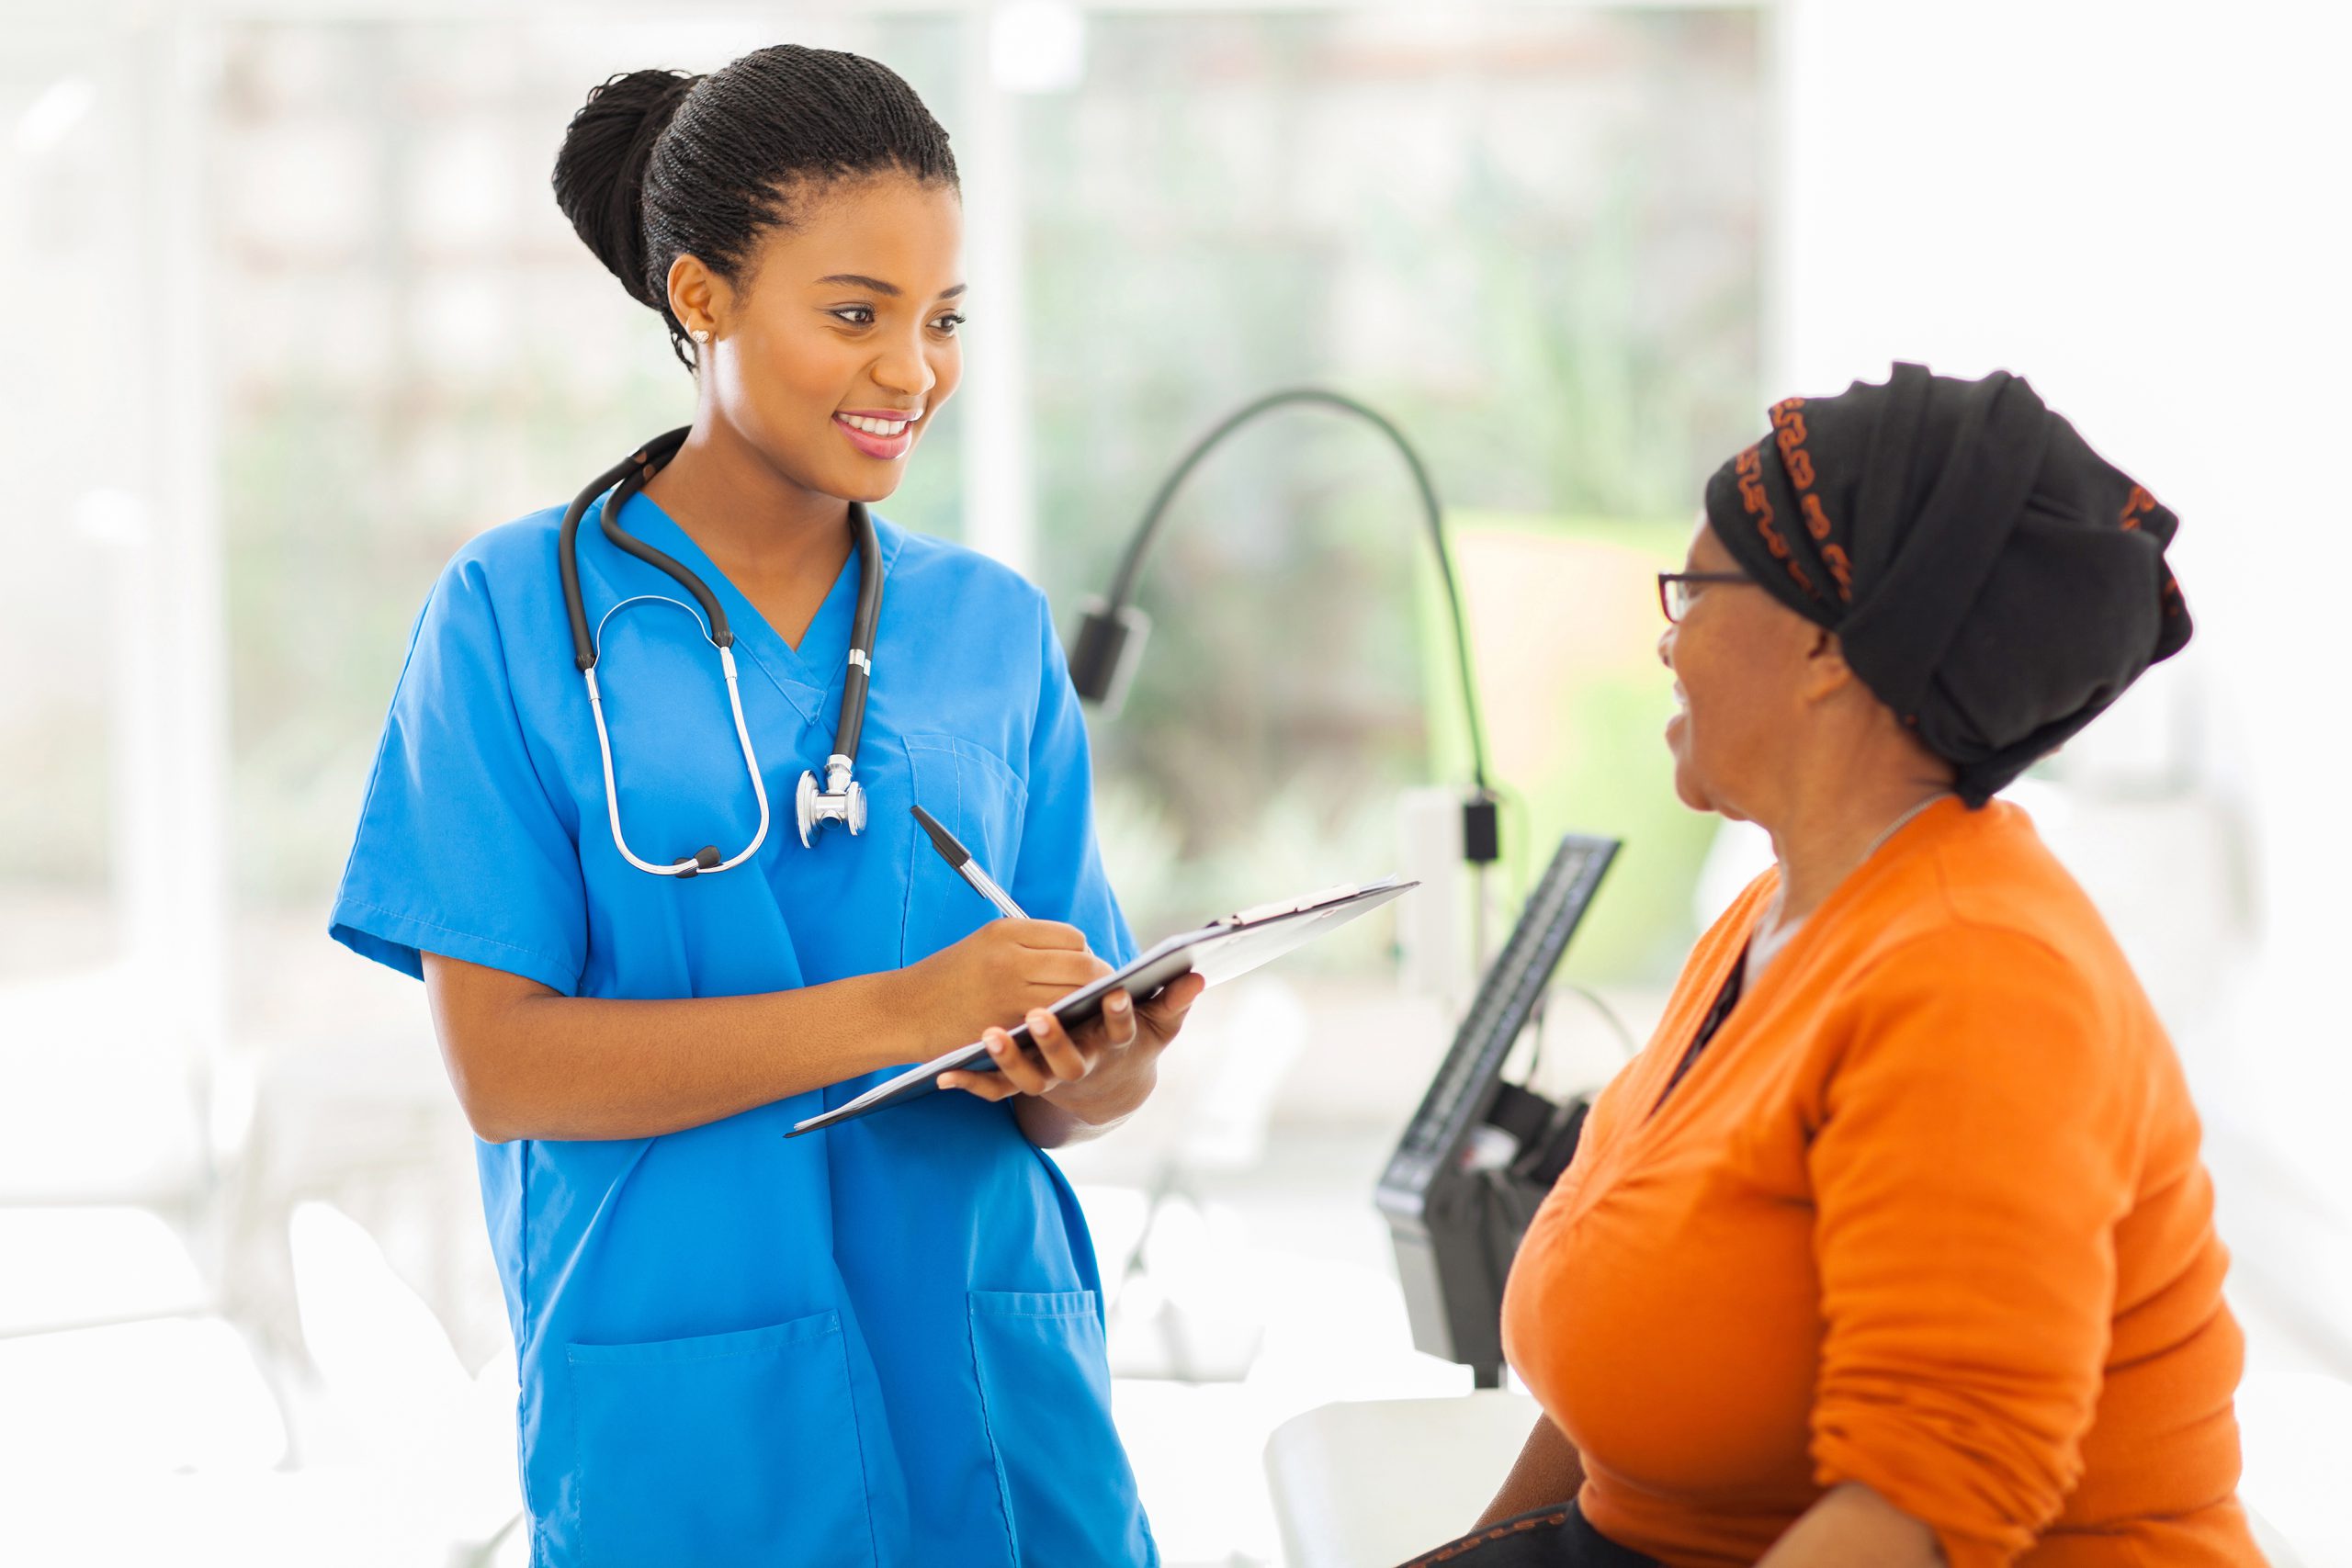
951,849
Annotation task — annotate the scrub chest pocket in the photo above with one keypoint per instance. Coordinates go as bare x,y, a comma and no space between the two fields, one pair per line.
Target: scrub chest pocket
981,801
725,1449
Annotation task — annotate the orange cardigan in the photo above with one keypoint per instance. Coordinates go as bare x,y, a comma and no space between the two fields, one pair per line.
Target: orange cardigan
1928,1214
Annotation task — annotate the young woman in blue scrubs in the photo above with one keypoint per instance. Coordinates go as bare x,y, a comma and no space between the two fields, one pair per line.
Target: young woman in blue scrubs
878,1345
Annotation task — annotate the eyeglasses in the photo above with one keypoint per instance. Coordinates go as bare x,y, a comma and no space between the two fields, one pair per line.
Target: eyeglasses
1674,589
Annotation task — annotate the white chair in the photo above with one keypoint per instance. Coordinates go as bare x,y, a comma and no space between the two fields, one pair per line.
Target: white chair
1370,1484
2274,1548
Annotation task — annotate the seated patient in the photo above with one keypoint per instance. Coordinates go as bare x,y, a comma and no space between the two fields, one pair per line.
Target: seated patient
1894,1245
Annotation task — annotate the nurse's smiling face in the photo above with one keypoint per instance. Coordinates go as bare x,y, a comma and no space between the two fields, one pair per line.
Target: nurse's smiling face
837,347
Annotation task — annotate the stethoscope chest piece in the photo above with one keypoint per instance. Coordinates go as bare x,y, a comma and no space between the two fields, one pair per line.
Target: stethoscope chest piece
842,800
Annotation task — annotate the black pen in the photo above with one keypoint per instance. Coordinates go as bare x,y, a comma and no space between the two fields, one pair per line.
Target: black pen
960,857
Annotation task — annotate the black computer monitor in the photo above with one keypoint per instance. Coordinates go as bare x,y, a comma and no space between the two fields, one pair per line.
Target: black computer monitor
1455,1228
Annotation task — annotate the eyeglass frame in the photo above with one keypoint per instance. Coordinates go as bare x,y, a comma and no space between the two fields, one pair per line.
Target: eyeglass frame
1668,581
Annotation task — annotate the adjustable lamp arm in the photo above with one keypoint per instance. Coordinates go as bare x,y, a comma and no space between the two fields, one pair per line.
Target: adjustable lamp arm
1109,638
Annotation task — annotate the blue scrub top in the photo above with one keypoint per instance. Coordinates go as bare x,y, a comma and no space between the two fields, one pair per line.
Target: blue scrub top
878,1345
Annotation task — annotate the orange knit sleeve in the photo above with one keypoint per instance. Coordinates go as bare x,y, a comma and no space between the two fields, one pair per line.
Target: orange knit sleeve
1976,1135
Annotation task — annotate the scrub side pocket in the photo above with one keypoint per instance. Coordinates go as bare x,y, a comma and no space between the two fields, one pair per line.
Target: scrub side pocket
726,1450
982,801
1068,1491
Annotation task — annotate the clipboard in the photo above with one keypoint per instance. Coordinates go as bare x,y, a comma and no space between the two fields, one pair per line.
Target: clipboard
1218,950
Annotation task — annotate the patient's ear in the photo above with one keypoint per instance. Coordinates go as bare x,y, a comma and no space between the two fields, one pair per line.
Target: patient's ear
1827,674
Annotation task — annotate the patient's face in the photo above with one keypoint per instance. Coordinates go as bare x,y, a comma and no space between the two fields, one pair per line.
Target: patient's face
1737,657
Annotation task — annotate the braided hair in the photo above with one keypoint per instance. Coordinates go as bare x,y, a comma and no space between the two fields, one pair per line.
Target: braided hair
658,165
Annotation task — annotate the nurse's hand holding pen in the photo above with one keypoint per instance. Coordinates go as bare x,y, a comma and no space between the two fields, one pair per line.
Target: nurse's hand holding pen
1097,1076
995,976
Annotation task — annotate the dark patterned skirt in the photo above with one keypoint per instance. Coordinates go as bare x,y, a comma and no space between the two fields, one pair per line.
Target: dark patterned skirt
1556,1537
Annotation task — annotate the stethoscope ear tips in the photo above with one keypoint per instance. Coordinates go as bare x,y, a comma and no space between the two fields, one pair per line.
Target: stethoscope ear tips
704,859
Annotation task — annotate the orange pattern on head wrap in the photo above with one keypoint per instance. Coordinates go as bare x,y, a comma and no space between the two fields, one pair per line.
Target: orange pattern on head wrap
1759,507
1788,434
2136,506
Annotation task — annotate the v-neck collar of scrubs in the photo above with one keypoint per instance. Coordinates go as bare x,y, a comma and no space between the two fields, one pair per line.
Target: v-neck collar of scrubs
806,674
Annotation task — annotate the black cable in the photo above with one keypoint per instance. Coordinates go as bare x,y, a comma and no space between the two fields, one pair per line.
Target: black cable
1542,1009
1535,1023
1624,1036
1123,583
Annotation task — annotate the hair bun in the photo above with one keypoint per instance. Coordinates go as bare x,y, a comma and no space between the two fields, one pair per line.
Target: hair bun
600,170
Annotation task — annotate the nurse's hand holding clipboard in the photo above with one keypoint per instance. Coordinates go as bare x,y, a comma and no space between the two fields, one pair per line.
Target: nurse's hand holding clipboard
1082,1082
1097,1074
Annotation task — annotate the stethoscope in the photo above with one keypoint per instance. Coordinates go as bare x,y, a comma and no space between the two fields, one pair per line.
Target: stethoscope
841,799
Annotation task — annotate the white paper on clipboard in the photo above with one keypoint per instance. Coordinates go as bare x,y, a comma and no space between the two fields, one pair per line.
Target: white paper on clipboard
1218,950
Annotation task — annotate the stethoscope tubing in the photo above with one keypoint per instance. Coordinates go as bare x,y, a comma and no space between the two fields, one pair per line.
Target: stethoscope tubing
624,479
860,674
743,736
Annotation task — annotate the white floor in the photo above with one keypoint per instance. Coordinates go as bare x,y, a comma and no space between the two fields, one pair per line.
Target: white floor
1267,1285
160,1442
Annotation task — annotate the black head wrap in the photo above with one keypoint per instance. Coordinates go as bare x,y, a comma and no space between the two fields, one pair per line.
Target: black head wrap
1992,579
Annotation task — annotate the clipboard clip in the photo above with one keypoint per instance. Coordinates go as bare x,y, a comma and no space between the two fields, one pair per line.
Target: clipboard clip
1316,900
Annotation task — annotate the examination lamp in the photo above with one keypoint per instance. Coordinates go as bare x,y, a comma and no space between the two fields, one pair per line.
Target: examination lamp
1111,636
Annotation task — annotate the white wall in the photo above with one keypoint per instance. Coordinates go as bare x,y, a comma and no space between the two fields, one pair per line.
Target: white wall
2141,208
